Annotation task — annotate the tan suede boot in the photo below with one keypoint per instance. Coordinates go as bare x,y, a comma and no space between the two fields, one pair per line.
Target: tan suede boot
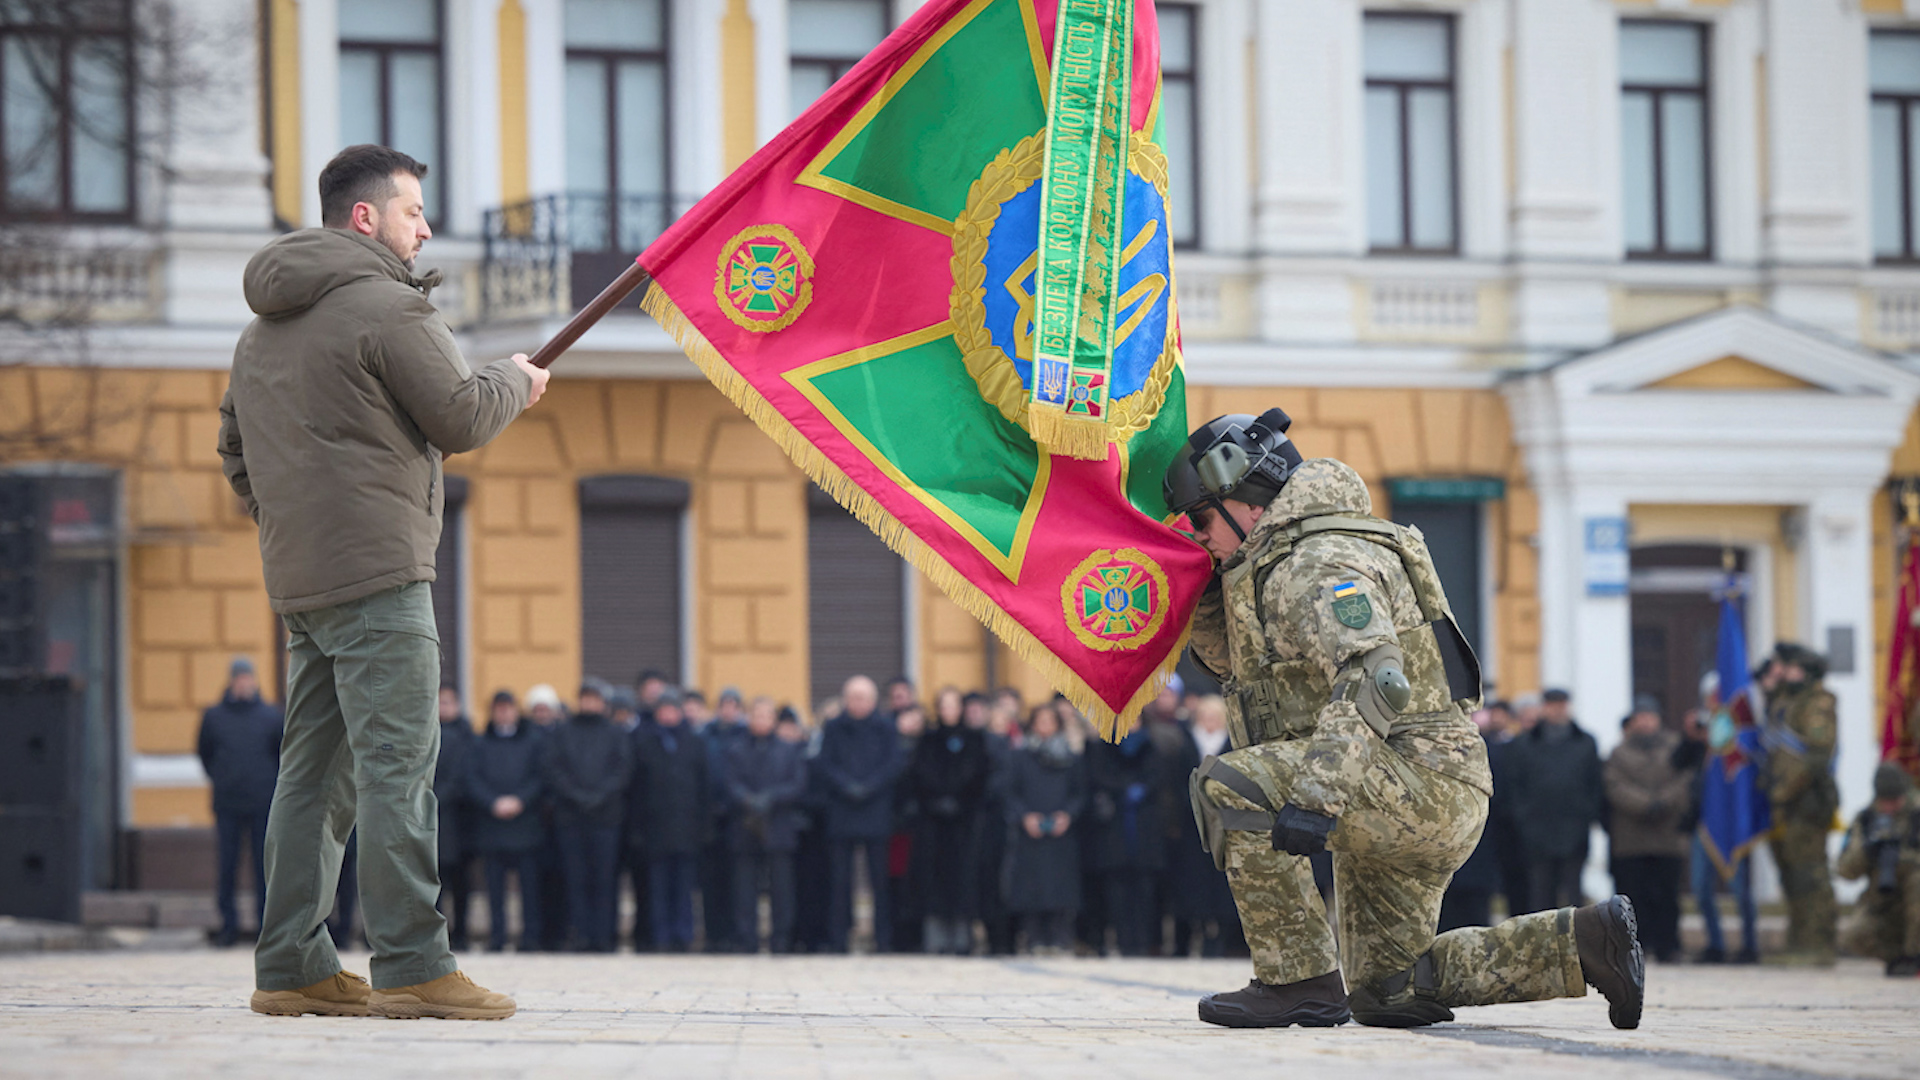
449,997
340,994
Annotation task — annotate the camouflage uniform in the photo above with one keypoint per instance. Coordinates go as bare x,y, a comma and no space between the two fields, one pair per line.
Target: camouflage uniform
1410,806
1800,740
1888,925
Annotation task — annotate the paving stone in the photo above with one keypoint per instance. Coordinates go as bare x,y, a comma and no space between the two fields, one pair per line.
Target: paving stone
183,1014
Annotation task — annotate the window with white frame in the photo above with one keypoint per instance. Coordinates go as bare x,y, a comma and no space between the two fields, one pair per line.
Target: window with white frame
1893,71
618,160
825,38
390,84
1411,166
66,108
1180,118
1665,176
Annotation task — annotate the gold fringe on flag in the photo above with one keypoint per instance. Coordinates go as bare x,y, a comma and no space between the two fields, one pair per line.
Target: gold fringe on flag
1111,725
1073,436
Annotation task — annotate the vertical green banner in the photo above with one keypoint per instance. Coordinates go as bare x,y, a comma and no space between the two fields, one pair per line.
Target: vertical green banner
1082,186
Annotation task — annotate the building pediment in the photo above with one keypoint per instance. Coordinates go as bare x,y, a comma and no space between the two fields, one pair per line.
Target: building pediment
1736,405
1732,373
1734,351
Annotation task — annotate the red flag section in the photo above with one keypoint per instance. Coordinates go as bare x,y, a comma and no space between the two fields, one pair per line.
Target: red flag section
862,288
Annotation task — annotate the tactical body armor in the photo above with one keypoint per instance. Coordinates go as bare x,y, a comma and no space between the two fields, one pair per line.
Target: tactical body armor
1274,662
1271,695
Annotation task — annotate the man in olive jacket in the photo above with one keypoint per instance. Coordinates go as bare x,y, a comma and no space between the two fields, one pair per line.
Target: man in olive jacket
346,393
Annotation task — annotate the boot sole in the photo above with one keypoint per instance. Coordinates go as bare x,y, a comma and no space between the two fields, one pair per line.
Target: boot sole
423,1011
1238,1019
274,1006
1631,968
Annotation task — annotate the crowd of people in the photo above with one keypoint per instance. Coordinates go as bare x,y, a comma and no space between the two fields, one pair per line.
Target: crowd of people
1650,795
980,823
968,823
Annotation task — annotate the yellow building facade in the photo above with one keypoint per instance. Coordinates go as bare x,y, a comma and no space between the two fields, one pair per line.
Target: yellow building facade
1535,381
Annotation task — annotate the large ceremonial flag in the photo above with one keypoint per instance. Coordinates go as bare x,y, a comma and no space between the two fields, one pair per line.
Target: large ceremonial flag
1900,725
869,289
1734,814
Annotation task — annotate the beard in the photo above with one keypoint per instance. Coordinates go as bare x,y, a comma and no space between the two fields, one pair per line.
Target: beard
401,243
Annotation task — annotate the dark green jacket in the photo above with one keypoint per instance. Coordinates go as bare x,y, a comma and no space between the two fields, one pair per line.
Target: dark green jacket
346,392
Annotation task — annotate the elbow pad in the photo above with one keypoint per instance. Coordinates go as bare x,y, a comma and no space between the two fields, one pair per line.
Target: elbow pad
1377,684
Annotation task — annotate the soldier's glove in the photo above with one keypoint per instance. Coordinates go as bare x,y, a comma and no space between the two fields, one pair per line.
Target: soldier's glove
1301,832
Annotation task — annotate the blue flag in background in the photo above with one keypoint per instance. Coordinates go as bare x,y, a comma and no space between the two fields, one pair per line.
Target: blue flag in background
1734,814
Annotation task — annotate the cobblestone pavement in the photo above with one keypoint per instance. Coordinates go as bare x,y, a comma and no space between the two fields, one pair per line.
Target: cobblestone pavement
160,1014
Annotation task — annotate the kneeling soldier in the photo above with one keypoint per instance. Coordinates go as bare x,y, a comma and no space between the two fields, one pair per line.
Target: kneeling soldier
1883,846
1348,688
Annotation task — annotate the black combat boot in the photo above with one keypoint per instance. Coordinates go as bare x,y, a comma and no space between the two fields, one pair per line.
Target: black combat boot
1317,1002
1903,967
1608,937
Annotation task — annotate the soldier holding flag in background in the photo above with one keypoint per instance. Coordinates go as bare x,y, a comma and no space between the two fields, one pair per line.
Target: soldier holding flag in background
1734,814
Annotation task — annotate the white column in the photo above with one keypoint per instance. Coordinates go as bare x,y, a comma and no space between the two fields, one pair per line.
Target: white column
212,182
546,97
1817,140
1566,168
1481,107
698,145
473,113
1839,594
217,173
1559,582
1602,637
1735,164
772,108
1227,122
1311,181
319,98
1566,129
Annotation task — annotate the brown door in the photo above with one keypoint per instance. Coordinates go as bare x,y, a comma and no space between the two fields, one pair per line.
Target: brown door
1676,623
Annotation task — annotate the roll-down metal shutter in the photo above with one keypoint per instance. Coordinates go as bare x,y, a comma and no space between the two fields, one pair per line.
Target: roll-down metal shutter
857,599
630,575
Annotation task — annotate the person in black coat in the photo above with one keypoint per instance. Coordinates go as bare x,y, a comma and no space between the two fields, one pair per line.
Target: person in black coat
586,763
765,779
505,787
1557,793
949,778
450,783
239,748
1468,900
727,726
672,817
1201,903
990,831
1042,793
858,763
1128,845
812,883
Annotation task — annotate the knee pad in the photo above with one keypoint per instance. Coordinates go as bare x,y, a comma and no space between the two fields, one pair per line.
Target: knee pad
1214,820
1405,999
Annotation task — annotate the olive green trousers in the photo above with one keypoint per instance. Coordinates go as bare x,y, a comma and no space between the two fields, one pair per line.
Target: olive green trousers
362,739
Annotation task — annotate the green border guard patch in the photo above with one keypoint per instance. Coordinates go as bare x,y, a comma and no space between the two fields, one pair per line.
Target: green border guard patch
1351,606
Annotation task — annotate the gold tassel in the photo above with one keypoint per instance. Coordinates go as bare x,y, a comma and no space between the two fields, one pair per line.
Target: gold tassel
1070,435
1111,725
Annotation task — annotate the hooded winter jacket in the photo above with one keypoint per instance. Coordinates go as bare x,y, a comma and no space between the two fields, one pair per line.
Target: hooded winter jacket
346,391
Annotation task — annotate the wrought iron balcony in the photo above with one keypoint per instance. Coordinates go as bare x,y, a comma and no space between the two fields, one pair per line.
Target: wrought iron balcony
45,277
550,255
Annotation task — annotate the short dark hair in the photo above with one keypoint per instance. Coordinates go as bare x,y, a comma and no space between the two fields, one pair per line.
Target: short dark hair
361,174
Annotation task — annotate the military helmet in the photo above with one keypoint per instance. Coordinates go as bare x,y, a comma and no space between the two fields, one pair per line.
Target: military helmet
1810,662
1890,781
1237,456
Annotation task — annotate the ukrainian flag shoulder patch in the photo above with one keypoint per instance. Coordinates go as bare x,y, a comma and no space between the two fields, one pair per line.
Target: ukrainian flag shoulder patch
1351,606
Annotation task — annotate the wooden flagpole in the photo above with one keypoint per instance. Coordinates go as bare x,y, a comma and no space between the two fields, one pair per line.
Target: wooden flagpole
633,277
